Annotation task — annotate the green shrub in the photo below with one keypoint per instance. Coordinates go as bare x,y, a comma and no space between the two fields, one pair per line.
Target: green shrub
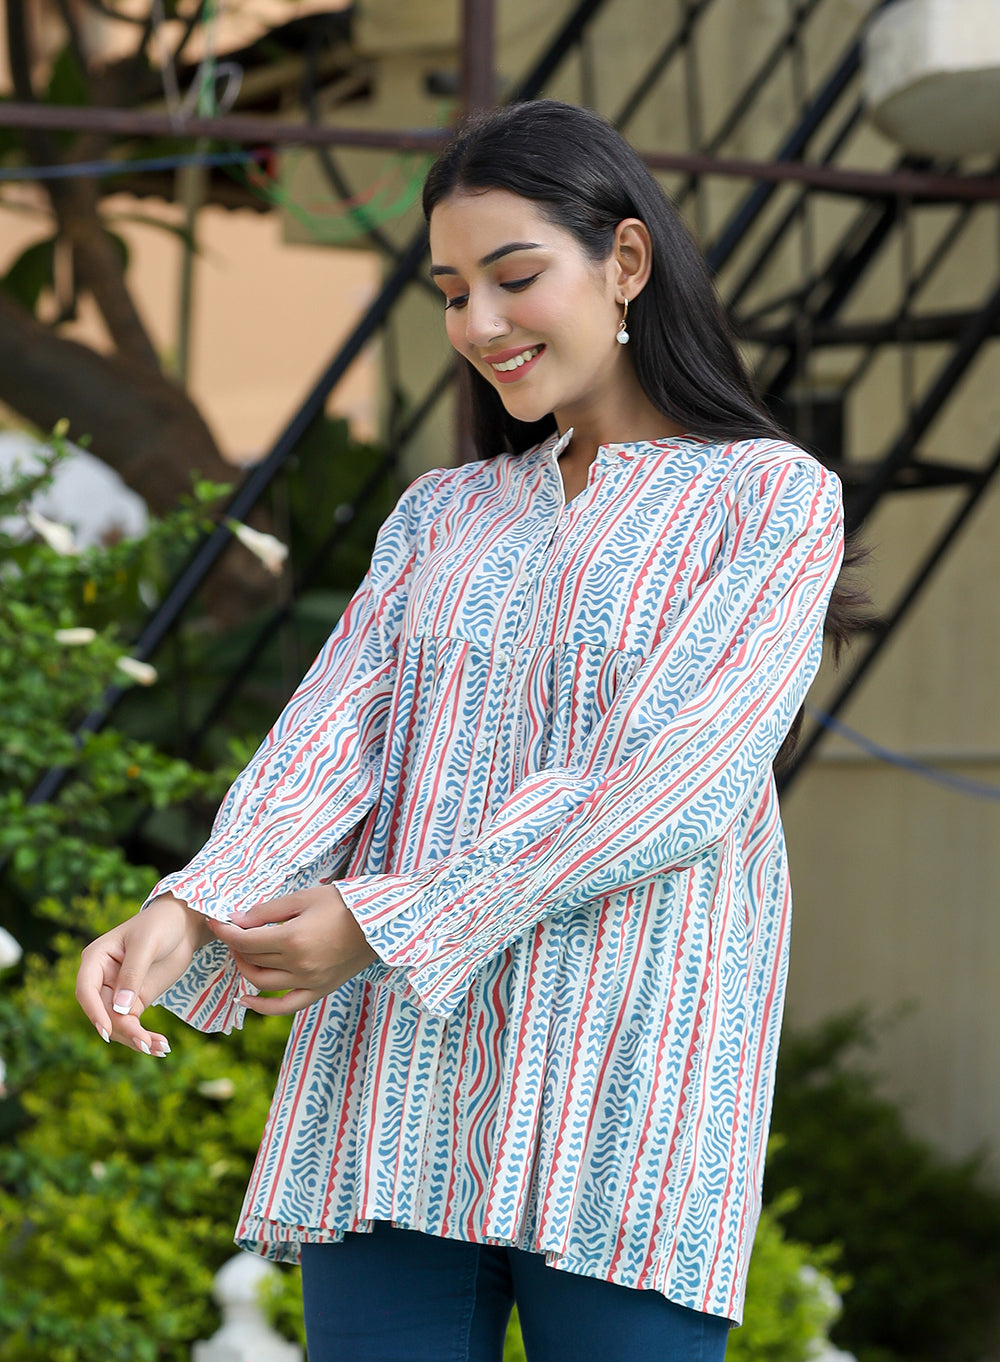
64,617
119,1194
119,1178
920,1236
791,1297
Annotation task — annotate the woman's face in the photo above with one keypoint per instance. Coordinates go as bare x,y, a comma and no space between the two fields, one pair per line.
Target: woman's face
526,306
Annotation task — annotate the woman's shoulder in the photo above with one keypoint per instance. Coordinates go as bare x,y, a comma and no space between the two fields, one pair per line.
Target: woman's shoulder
760,461
433,484
440,485
770,451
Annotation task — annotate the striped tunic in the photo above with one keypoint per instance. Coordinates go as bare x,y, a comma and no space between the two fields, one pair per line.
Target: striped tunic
536,753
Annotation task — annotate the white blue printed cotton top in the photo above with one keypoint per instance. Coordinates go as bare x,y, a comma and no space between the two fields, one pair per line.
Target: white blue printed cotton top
537,749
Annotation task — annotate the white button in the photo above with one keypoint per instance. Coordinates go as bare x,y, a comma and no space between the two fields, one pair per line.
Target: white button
482,744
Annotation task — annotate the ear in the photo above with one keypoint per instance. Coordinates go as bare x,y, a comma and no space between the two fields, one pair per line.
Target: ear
632,258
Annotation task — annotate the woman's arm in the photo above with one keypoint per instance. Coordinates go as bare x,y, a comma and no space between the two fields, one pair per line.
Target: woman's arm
292,812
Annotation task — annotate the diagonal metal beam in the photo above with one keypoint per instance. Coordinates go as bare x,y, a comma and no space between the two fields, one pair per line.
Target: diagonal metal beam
888,626
982,325
790,150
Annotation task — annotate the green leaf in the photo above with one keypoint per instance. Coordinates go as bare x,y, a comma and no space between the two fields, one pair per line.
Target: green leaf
30,273
67,84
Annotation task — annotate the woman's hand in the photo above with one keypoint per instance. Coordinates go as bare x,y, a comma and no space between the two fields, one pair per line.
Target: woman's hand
304,945
125,969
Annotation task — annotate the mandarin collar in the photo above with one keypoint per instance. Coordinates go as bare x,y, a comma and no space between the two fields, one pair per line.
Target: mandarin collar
617,450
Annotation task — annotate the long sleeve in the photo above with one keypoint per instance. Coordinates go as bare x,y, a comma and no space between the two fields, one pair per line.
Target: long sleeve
666,773
290,817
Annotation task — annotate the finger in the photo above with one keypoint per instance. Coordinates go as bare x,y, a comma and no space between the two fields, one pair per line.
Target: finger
129,1031
94,967
269,979
291,1002
140,952
271,910
258,943
269,941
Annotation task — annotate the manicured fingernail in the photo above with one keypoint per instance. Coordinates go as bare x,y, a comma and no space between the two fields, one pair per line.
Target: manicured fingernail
123,1002
104,1035
163,1050
144,1048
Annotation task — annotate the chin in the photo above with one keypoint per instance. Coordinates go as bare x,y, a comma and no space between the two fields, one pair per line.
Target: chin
526,410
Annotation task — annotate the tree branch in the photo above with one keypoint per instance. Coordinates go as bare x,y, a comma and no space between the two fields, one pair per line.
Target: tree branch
99,269
110,12
96,260
143,425
189,28
75,41
41,146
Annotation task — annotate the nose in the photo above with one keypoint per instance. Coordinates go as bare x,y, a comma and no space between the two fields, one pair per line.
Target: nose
482,323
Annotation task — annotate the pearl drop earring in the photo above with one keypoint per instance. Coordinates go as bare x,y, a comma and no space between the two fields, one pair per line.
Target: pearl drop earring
623,336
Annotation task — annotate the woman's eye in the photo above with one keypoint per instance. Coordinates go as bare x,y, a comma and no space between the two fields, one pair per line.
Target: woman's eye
515,285
510,286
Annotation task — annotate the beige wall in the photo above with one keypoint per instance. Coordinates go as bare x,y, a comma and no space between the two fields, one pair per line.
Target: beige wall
896,878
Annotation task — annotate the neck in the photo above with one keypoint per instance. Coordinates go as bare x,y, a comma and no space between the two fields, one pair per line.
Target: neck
625,416
627,423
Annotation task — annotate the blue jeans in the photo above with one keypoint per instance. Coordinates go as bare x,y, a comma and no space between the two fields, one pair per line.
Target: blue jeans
401,1296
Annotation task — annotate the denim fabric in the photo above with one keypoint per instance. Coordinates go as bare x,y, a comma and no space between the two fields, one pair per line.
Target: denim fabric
400,1296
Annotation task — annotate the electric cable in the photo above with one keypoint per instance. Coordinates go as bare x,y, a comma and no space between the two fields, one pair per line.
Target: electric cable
106,169
977,789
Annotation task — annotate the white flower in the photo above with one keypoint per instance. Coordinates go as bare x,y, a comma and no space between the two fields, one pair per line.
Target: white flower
73,638
58,537
10,951
271,552
221,1089
142,672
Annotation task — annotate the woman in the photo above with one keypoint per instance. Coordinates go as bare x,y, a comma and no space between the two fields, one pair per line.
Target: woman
536,1017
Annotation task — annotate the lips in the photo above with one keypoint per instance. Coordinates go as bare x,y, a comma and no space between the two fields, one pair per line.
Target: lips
510,365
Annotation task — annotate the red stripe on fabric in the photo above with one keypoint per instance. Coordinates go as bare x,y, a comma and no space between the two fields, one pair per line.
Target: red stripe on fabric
583,1023
527,1019
290,1119
354,1068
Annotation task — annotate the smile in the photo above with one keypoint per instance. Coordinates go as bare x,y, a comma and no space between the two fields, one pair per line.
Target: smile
513,364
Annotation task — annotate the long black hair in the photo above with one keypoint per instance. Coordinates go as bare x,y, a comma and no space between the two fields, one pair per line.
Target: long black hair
585,178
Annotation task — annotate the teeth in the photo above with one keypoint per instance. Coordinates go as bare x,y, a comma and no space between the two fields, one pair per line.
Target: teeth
518,360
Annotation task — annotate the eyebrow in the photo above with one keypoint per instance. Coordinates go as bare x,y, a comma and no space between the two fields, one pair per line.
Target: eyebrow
493,256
